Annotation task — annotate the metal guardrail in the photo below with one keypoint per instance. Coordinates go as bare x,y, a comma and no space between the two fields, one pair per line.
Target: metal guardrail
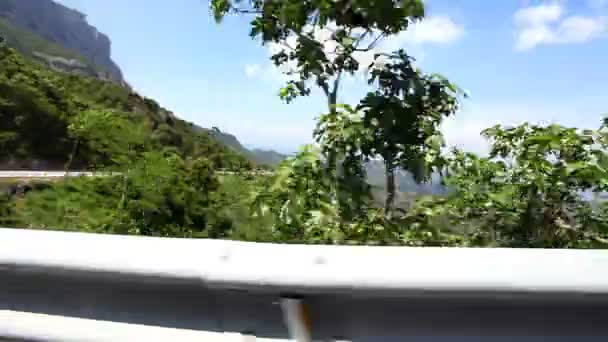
41,174
60,286
20,174
52,174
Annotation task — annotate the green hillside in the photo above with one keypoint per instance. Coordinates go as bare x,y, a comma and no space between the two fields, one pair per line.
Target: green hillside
167,184
38,48
38,106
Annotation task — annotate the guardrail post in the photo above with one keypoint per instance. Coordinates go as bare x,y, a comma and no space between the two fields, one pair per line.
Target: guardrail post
297,319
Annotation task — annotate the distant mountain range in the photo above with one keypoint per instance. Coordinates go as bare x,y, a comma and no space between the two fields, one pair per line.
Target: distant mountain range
266,157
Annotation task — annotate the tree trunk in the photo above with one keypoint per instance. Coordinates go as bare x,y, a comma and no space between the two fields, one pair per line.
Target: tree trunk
331,106
75,146
390,187
332,158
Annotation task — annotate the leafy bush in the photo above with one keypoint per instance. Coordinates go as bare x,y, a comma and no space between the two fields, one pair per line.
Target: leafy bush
157,194
530,191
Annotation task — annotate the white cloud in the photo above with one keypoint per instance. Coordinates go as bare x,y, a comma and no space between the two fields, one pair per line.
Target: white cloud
438,30
546,24
538,15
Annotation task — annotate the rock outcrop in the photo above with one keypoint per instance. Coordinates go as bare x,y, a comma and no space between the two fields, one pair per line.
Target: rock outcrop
67,28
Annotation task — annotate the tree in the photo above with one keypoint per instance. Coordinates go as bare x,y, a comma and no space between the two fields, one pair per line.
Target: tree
403,117
320,41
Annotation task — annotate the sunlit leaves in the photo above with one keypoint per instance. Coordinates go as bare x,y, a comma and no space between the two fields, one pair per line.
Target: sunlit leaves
343,131
111,134
531,190
292,90
300,197
346,141
220,8
390,16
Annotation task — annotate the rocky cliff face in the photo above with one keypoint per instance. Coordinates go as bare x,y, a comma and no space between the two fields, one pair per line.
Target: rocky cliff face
65,27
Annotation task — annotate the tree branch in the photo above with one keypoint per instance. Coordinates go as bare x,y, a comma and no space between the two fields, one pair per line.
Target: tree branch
325,89
243,11
373,44
334,91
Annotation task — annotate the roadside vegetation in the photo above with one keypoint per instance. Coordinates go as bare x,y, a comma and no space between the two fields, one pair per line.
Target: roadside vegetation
534,189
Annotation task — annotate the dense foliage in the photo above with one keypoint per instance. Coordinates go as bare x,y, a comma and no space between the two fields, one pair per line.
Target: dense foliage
160,195
534,190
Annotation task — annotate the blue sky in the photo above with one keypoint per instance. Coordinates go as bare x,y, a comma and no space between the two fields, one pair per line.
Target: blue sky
520,60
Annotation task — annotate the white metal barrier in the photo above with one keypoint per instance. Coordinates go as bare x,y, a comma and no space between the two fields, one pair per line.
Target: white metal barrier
58,286
51,174
23,174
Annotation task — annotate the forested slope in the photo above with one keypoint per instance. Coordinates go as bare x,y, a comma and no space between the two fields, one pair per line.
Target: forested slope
39,108
167,184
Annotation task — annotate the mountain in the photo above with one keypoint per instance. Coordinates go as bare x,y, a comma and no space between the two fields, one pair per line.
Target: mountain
58,36
62,39
267,157
38,105
259,156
